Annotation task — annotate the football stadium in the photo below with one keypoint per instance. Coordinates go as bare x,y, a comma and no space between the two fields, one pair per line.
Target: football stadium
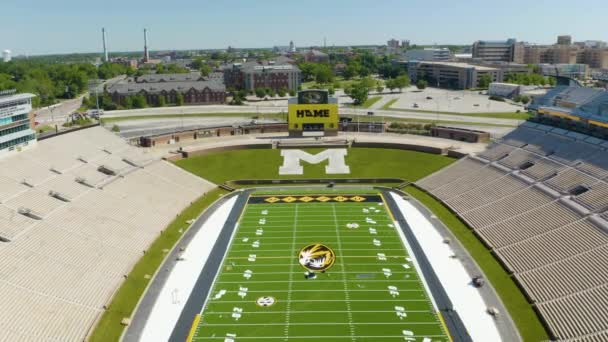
302,235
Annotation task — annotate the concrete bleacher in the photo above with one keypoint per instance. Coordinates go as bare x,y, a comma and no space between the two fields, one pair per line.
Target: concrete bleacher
69,232
545,215
596,199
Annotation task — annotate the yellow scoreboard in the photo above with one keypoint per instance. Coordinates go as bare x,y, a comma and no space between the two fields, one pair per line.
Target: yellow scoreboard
313,117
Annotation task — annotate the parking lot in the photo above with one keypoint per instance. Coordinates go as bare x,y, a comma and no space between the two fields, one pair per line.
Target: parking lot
458,101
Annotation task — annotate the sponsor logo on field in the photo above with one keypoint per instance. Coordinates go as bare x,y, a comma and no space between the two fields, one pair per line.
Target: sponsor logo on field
317,257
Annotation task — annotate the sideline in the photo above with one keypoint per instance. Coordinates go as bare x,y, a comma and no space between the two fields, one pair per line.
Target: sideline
179,260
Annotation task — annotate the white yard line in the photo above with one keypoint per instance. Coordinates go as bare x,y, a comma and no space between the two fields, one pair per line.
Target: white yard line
343,300
290,287
346,294
322,338
314,312
322,323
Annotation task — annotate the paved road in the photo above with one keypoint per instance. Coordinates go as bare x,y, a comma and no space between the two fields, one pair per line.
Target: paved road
59,113
215,109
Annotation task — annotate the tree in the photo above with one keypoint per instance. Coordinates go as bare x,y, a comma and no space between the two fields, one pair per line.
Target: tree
402,82
128,102
379,88
281,92
421,84
162,101
139,101
368,82
197,63
308,71
205,70
359,93
179,99
484,81
323,74
331,91
292,92
390,84
525,99
351,71
260,92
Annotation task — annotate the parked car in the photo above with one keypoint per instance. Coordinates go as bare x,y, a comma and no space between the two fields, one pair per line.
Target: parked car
416,105
429,98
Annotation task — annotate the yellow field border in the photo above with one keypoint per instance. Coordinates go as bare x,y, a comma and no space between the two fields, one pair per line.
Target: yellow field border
195,323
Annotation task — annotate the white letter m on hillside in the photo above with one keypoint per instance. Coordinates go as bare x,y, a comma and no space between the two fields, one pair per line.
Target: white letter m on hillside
291,161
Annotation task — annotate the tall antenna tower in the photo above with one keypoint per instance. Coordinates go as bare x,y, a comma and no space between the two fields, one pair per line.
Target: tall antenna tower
105,50
146,55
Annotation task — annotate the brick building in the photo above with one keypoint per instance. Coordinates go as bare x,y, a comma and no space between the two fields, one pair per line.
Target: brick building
194,88
252,75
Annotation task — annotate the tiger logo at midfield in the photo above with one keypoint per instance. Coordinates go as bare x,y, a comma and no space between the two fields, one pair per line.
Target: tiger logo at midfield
317,257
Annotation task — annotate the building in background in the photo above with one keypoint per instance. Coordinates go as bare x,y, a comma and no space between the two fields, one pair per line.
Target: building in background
556,54
592,53
429,54
193,88
578,71
16,123
564,40
499,51
6,56
292,47
594,44
451,75
511,90
252,75
393,44
316,56
595,58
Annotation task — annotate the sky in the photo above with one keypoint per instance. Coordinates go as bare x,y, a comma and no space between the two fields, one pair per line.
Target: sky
65,26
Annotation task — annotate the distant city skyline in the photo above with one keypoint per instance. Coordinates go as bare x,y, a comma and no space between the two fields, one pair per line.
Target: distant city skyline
36,27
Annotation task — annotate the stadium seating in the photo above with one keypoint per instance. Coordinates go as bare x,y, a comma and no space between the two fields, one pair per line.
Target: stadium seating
596,198
542,210
517,158
496,152
569,179
70,231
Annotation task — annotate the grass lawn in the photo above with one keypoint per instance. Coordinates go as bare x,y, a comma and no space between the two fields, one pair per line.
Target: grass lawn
363,162
387,106
350,301
126,298
526,320
370,101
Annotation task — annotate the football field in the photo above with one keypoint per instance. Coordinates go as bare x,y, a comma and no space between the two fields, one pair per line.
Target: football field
370,289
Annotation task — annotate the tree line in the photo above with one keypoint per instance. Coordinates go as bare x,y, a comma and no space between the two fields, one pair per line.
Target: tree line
51,82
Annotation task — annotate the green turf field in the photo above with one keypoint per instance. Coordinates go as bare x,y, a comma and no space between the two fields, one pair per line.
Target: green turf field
264,164
351,301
